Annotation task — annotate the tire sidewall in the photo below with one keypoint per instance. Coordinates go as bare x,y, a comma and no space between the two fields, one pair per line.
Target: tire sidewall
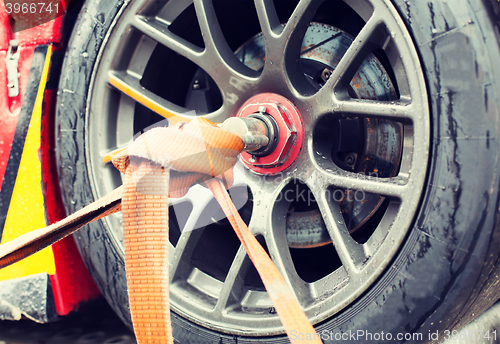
98,252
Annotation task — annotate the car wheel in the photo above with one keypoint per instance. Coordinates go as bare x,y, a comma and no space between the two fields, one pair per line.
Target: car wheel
380,209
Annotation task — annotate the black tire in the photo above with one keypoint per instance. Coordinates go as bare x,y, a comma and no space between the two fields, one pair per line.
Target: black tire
446,272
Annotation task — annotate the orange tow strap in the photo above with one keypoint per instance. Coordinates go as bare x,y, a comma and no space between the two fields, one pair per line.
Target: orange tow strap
165,162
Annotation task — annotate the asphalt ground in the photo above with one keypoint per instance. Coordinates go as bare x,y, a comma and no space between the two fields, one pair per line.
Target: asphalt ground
96,323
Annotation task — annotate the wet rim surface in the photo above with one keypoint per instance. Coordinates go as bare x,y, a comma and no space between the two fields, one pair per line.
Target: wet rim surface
226,302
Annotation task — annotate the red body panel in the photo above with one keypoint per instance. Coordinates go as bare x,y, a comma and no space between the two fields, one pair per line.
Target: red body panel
72,284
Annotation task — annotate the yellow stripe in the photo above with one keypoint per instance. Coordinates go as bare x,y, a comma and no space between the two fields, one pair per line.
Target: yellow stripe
123,87
26,210
153,106
107,158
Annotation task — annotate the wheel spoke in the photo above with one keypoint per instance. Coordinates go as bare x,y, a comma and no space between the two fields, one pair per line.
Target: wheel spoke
399,111
193,220
297,25
198,208
368,39
284,43
160,33
217,50
277,245
350,252
201,210
130,85
395,187
180,264
268,18
232,292
396,49
292,37
271,224
263,203
383,228
204,211
231,75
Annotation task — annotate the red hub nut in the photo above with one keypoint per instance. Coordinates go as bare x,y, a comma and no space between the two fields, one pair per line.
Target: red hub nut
289,137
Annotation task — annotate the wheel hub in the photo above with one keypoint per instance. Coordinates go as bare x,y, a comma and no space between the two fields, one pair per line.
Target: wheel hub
285,127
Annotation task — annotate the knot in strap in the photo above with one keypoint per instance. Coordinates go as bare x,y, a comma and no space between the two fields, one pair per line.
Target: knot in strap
199,150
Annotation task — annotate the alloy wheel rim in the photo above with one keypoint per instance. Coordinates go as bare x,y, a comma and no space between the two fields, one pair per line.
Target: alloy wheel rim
225,298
